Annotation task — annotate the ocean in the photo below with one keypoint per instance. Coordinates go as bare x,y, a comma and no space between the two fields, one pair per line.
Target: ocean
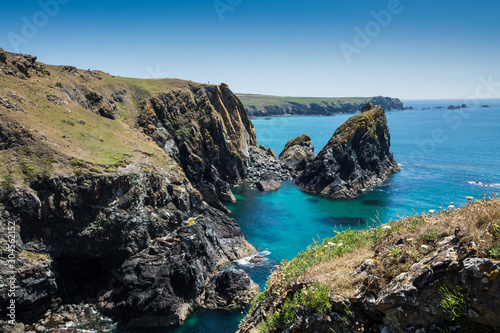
445,155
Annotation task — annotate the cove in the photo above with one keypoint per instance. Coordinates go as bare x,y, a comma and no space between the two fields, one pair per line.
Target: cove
280,224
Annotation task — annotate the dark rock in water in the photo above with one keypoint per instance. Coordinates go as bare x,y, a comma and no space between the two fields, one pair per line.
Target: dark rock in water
230,289
149,233
356,158
298,153
257,259
485,106
263,161
269,182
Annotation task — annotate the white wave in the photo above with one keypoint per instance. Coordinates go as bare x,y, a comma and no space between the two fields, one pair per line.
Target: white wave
496,185
246,261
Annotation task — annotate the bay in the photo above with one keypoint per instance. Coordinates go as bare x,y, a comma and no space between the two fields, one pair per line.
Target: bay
445,155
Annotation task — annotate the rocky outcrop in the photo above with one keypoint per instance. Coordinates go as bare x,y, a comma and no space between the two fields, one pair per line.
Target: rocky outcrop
298,153
208,131
150,233
269,181
265,171
324,108
356,158
22,66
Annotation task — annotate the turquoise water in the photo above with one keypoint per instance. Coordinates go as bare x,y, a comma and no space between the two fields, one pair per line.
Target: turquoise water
444,155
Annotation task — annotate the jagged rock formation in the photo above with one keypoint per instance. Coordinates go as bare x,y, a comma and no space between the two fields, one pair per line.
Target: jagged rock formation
265,170
323,108
298,153
208,131
356,158
105,217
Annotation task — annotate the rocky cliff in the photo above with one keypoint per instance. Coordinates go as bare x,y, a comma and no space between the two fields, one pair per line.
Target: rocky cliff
313,106
208,131
420,274
98,198
356,158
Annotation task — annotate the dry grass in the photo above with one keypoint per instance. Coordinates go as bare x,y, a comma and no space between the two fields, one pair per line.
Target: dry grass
396,246
336,274
63,138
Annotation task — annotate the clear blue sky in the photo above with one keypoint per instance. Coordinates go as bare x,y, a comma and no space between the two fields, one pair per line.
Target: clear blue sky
425,49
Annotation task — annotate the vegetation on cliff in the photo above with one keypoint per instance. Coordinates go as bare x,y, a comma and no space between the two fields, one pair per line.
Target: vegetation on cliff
265,105
419,272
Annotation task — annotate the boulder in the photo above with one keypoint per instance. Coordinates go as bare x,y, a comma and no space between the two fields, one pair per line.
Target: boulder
298,152
229,289
268,182
481,287
356,158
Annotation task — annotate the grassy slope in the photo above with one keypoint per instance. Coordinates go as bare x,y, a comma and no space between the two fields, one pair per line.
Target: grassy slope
68,139
262,100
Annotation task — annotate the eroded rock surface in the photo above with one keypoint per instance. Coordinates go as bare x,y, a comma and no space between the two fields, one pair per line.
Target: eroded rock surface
356,158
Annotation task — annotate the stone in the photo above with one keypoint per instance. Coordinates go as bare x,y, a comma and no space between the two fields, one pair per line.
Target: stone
268,182
481,287
356,158
298,152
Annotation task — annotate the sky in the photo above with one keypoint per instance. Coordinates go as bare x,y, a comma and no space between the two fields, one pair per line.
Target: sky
411,49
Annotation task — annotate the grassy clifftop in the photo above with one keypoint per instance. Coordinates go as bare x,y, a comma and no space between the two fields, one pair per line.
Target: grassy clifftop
260,101
362,279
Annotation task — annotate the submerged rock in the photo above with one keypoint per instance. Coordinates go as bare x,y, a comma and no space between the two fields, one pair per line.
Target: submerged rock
356,158
298,152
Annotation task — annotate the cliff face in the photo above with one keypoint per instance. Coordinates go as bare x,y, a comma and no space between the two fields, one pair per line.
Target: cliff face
96,212
357,157
320,108
207,130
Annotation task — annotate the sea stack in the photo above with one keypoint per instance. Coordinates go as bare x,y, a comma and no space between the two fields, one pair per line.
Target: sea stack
298,153
356,158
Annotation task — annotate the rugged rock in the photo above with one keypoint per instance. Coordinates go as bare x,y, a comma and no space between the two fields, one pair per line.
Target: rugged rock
230,288
22,66
325,108
77,234
103,216
265,171
269,181
210,130
298,152
356,158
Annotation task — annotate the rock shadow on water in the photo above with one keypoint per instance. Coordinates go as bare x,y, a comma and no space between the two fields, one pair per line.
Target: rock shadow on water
374,202
345,220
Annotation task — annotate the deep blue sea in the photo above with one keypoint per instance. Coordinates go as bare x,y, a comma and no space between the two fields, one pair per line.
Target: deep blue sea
445,155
